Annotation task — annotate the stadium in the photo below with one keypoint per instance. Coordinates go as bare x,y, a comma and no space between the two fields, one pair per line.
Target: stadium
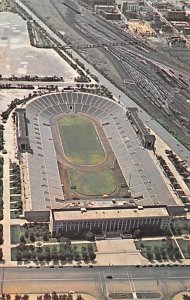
79,153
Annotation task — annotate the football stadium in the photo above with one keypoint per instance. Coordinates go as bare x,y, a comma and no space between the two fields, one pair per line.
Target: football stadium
85,165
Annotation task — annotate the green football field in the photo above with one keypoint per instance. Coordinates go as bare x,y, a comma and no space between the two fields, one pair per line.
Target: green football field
80,140
93,183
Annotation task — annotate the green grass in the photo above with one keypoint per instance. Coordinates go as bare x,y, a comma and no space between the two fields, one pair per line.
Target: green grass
15,234
14,214
184,244
80,140
93,183
154,246
77,247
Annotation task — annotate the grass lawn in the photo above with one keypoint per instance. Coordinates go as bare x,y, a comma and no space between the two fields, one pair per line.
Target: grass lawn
181,226
15,198
15,233
14,214
184,244
77,247
151,246
16,230
93,183
80,140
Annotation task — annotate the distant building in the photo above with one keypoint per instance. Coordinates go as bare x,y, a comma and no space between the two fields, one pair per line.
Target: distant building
180,25
130,6
99,2
111,15
186,31
176,15
176,42
101,8
167,28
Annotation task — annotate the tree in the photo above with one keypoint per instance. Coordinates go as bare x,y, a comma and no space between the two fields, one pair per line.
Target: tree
40,256
92,255
26,234
136,233
47,254
157,254
47,296
89,236
22,239
54,296
163,253
18,255
45,236
54,253
149,255
90,248
32,237
1,254
65,241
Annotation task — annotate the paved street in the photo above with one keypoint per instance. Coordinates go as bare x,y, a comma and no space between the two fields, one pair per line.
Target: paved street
167,281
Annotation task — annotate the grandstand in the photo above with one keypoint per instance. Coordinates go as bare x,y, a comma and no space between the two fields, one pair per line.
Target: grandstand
43,185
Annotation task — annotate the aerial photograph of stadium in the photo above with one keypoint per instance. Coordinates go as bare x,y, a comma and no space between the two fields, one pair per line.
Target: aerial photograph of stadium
94,149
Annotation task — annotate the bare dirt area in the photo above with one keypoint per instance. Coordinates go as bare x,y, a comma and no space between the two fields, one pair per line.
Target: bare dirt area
6,96
18,57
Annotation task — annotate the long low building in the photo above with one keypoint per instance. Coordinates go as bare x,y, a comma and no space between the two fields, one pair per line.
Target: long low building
104,220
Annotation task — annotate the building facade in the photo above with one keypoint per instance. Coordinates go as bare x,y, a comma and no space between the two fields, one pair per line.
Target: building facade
103,220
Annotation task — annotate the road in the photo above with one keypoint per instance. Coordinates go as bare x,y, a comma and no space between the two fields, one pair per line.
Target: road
167,280
179,149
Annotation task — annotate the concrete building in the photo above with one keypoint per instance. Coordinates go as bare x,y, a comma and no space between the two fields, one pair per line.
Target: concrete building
99,2
130,6
22,130
102,220
114,15
176,15
186,31
102,8
148,140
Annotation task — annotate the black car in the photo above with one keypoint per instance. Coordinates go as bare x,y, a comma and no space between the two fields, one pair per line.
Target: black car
109,276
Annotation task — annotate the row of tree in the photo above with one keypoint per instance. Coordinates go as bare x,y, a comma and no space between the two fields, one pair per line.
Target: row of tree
62,252
166,251
1,188
46,296
55,296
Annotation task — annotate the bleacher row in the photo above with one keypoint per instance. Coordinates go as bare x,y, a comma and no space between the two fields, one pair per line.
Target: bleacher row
44,175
